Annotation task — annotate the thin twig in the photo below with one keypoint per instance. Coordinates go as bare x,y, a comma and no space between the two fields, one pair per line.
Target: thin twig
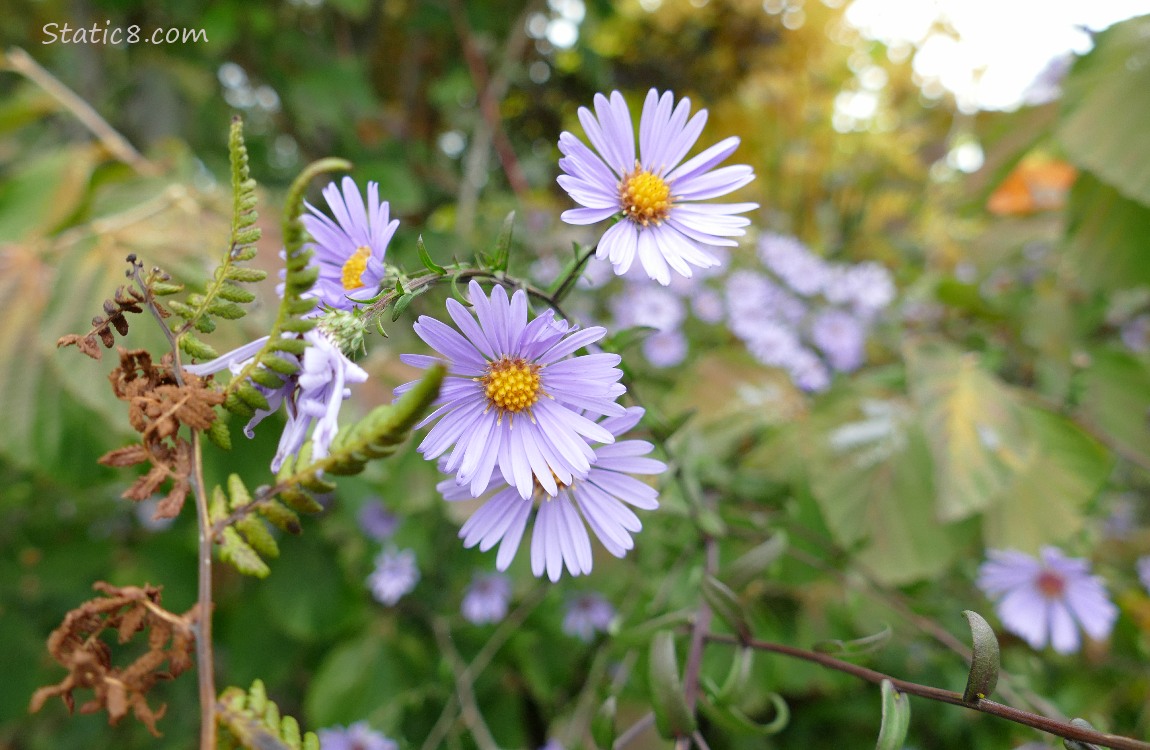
634,731
464,691
1058,728
21,62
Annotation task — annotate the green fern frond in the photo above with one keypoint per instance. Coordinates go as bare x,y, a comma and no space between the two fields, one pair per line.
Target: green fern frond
251,720
222,298
375,436
299,278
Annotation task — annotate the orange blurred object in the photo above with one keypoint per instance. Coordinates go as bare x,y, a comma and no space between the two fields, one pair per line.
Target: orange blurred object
1034,185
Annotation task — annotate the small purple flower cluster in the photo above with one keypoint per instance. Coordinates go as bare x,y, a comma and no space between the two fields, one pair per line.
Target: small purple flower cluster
803,314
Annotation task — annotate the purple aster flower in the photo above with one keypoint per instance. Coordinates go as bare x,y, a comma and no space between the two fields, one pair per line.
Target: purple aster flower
586,615
350,249
793,263
358,736
752,297
377,521
647,305
598,499
395,574
773,344
841,337
515,398
1135,333
665,348
808,372
1047,600
486,599
657,193
867,287
1143,568
313,395
707,304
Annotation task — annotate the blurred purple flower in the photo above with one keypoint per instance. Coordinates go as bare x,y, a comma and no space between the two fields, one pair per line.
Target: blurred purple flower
662,224
841,337
377,521
665,348
486,598
707,305
599,499
808,371
647,305
358,736
395,574
794,265
1135,333
349,250
1047,600
866,287
586,615
514,398
1143,568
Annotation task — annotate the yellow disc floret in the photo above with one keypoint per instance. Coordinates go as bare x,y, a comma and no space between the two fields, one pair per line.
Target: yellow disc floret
511,385
645,196
352,276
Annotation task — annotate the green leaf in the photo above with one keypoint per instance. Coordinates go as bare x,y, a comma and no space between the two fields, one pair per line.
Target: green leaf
196,348
672,716
874,489
1106,105
426,260
355,679
973,425
1045,502
754,563
239,554
1077,744
219,433
895,718
1116,399
280,516
984,660
503,244
725,604
245,275
1107,245
856,647
603,725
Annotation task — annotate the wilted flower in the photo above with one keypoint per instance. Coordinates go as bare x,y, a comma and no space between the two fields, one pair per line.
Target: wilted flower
350,249
599,499
662,223
395,574
515,398
358,736
586,615
313,395
486,598
1047,600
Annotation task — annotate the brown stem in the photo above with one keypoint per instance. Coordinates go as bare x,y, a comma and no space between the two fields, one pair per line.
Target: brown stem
1058,728
205,660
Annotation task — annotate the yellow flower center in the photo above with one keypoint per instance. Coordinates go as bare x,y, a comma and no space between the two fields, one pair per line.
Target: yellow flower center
511,385
541,494
353,269
645,196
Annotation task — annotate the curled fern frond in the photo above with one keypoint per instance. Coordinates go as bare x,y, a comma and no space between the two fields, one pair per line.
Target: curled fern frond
105,327
252,720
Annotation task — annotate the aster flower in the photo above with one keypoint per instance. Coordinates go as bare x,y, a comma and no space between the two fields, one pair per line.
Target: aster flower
358,736
598,499
586,615
486,599
647,305
794,265
657,193
395,574
313,395
514,398
665,348
867,287
350,249
1047,600
377,521
841,337
1135,333
1143,569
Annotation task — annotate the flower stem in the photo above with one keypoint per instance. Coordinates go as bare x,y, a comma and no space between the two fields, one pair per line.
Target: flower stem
1063,729
205,661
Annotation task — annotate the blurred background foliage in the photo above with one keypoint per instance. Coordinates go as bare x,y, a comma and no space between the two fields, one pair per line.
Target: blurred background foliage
1000,406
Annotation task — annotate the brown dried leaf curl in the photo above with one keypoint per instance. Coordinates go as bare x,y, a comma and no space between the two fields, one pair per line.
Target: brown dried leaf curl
78,647
158,405
127,300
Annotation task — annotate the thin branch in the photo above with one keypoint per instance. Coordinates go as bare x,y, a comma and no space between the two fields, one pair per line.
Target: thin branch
464,691
1058,728
21,62
634,731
